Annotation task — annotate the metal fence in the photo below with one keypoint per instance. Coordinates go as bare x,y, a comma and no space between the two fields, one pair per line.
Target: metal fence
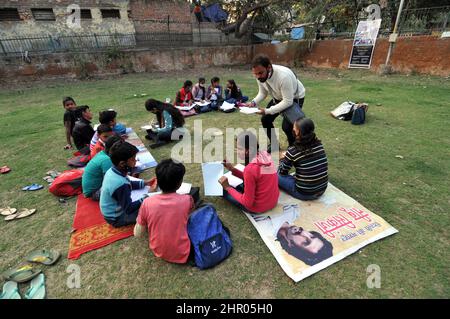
96,42
181,34
51,44
424,21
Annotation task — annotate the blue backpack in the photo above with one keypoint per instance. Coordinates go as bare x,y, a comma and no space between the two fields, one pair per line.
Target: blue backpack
210,239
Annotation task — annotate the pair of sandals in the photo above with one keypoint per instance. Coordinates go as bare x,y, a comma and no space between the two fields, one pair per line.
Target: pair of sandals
4,170
29,272
11,213
51,175
36,290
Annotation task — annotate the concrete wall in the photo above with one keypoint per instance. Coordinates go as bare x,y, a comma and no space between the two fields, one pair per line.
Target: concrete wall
104,63
423,54
28,26
427,55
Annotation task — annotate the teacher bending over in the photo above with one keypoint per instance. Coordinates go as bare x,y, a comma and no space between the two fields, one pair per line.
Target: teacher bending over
288,95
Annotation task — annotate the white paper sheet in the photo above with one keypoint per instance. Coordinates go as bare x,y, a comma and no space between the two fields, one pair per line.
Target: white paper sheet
202,103
138,193
248,110
226,106
184,189
185,108
233,180
144,159
211,174
133,179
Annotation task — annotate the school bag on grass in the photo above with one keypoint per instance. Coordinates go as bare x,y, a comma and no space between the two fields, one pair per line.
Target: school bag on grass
79,161
67,184
359,114
344,111
209,237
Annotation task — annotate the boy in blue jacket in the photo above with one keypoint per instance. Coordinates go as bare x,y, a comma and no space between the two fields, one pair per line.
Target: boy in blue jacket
115,198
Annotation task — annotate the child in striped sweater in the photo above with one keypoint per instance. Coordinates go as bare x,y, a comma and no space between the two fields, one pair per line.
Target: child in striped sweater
308,157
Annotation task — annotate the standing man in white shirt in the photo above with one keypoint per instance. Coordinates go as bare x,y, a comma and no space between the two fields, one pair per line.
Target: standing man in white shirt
288,95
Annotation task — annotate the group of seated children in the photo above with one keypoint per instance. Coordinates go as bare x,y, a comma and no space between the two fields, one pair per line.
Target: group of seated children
259,191
96,168
208,99
78,126
165,215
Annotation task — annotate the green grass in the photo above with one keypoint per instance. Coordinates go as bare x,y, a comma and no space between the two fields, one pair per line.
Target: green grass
408,116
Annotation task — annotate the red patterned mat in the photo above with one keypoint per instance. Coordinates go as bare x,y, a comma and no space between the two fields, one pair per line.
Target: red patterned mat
91,230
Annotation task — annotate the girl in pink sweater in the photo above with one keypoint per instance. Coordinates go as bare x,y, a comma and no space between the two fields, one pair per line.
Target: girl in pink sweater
260,192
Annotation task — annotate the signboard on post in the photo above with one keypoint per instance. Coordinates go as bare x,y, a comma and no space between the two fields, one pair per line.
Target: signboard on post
364,44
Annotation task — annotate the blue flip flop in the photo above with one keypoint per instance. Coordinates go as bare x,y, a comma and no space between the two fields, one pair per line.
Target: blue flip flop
10,291
37,288
32,187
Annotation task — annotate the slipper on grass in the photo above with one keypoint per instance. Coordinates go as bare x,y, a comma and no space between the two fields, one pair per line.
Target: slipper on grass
37,288
22,214
4,169
7,211
10,291
53,173
49,179
32,187
44,256
22,273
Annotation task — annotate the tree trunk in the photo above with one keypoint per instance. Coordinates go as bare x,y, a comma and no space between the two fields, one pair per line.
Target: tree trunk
236,26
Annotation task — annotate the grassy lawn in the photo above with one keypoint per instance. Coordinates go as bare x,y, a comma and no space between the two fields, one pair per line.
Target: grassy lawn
408,116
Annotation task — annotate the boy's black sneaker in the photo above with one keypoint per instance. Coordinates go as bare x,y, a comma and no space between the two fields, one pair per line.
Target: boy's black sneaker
158,144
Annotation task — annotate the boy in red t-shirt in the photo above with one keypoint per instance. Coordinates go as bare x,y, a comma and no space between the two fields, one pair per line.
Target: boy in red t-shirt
166,215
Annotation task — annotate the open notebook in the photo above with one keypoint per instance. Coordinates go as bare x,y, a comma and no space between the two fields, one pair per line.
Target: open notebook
137,194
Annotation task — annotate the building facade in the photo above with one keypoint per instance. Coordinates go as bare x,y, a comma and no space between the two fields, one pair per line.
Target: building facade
40,18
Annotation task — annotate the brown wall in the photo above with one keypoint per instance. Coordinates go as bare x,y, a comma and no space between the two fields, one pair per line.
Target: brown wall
288,53
424,54
101,64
